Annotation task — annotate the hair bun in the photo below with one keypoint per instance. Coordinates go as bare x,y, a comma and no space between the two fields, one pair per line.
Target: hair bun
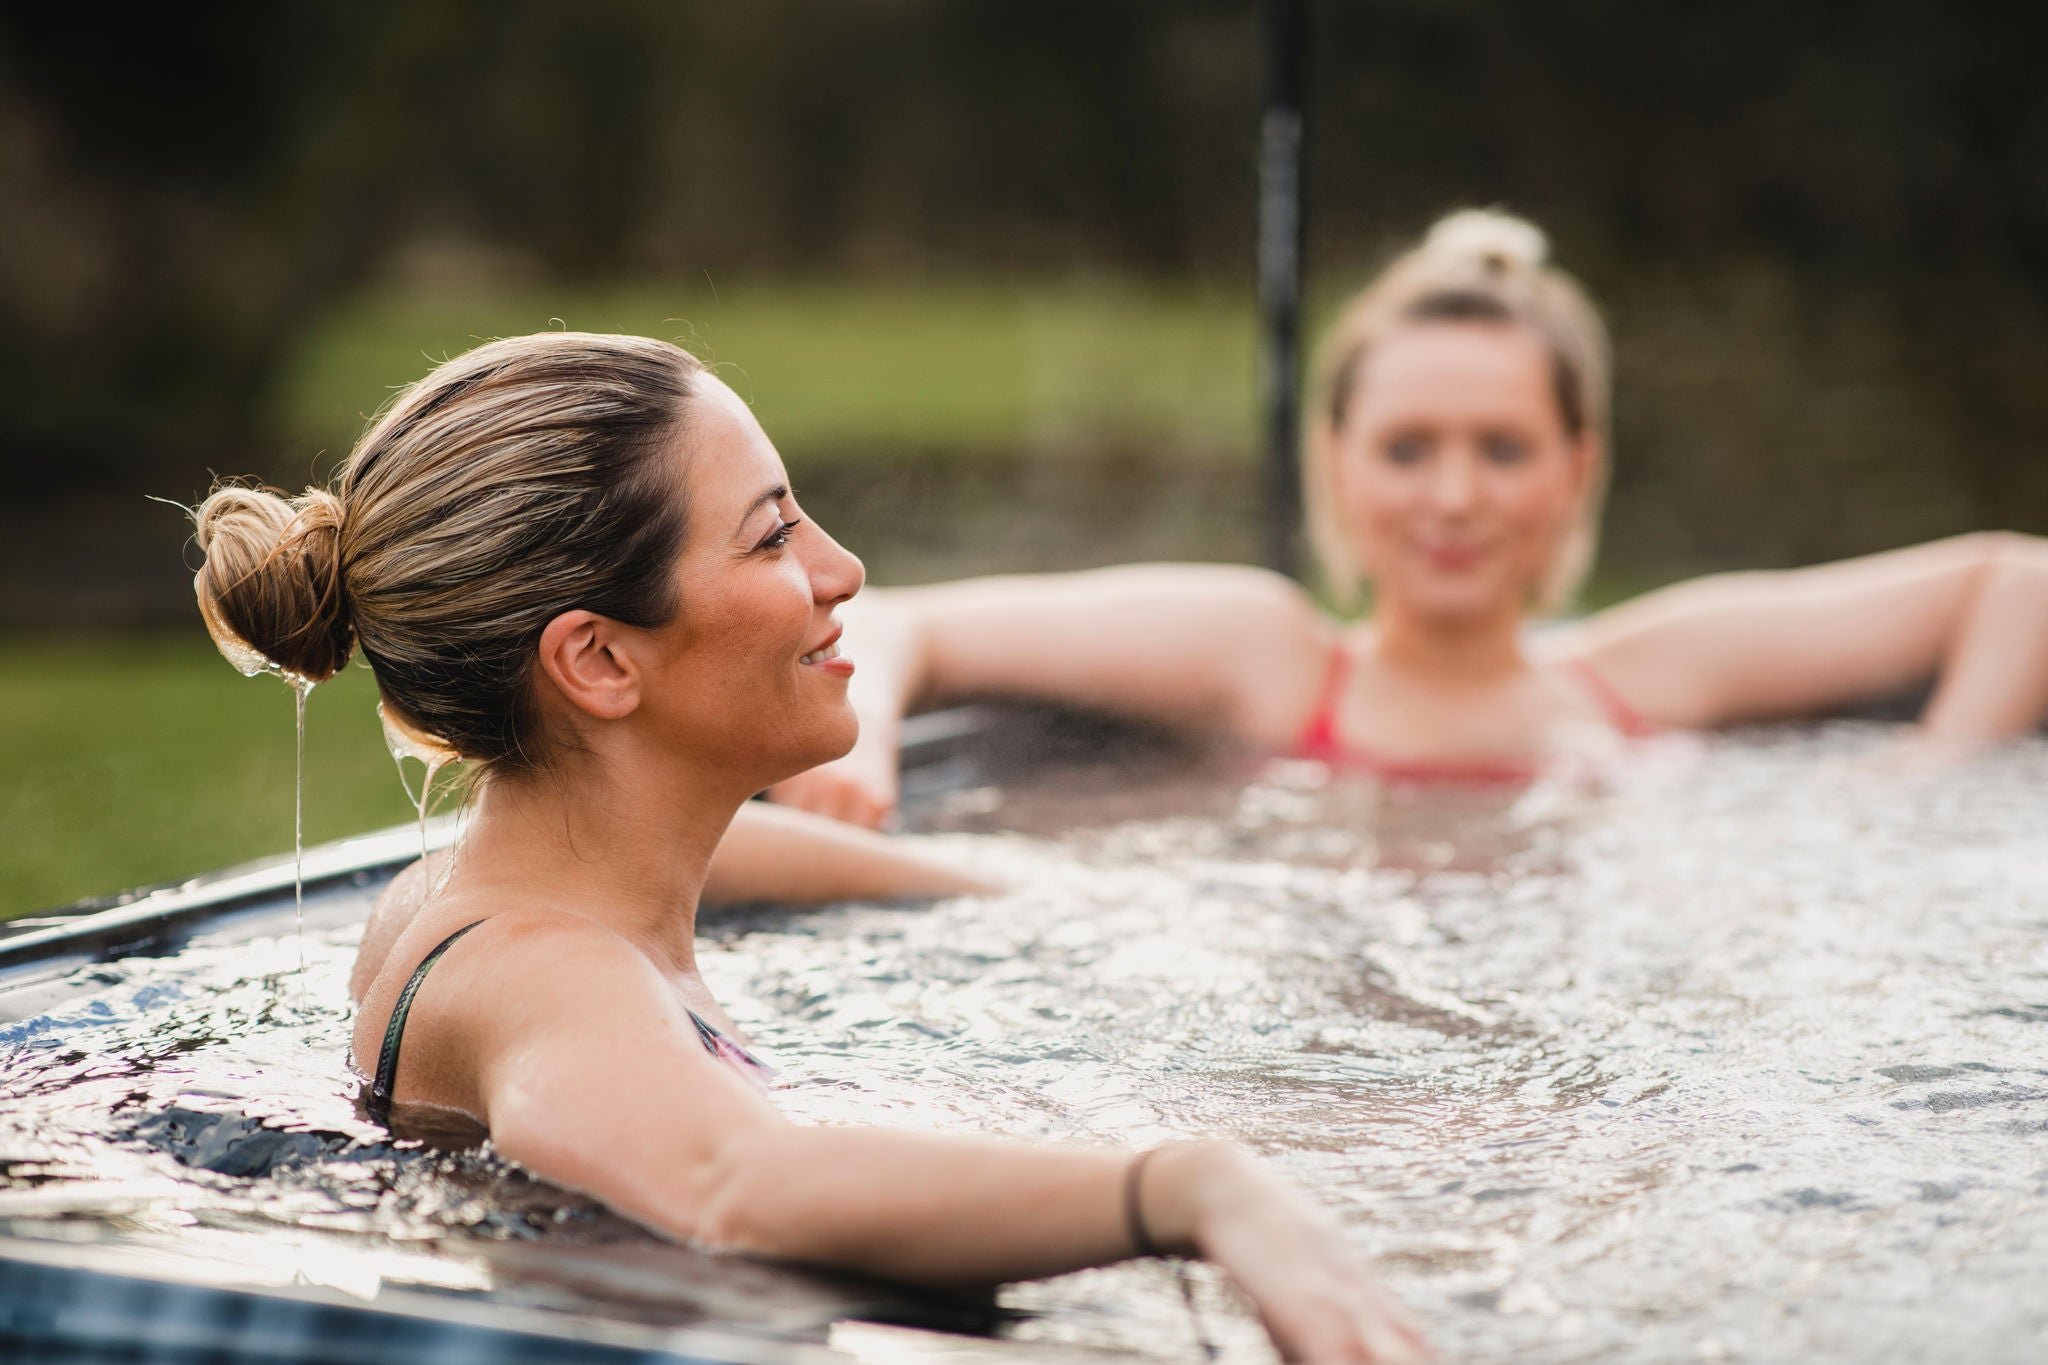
1494,241
271,587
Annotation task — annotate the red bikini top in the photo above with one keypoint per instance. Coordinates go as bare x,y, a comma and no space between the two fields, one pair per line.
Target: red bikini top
1319,739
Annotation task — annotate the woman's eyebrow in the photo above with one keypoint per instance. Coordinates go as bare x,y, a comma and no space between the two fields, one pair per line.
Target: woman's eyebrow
775,494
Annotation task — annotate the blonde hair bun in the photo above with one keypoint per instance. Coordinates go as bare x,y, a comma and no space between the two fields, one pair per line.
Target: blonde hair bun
270,588
1494,241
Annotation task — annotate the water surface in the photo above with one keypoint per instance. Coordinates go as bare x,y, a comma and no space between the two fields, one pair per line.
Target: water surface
1743,1055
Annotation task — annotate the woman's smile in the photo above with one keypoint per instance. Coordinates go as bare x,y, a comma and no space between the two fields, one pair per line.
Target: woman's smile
1451,556
827,658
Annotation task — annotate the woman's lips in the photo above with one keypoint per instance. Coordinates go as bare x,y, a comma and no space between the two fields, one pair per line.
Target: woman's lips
827,658
1453,556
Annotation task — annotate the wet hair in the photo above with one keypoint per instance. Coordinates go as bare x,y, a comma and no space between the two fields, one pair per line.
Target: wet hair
1474,266
528,477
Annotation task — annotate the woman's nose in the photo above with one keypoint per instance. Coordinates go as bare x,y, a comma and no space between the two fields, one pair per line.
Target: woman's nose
1454,484
836,572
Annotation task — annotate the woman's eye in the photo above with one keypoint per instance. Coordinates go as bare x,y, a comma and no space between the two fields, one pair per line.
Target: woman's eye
1407,449
780,536
1504,449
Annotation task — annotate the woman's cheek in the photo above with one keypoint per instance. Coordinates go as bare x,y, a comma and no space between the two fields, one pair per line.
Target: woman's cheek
1548,520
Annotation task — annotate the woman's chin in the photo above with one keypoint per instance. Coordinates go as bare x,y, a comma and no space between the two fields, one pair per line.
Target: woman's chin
1458,602
833,740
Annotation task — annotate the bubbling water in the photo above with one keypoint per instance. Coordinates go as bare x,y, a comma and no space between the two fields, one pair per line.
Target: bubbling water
1743,1057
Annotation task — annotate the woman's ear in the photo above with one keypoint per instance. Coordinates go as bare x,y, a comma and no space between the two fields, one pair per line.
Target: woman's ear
584,656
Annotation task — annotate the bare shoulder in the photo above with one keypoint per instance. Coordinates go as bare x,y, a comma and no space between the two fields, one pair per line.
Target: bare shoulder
397,906
505,946
1657,651
1271,642
517,972
388,942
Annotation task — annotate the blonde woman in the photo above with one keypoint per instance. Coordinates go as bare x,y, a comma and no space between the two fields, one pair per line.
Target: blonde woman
1456,456
576,562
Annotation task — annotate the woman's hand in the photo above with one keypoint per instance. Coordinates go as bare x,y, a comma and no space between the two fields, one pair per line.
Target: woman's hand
1970,612
858,789
1317,1297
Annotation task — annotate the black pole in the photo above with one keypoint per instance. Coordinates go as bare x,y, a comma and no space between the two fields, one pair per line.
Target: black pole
1280,238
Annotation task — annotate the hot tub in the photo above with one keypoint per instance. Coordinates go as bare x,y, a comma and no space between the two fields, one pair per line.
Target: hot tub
1740,1053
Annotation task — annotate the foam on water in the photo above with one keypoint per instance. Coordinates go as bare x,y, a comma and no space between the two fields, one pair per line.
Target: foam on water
1744,1057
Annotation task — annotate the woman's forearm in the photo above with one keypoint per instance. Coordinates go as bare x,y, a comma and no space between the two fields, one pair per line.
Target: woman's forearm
973,1211
923,1208
1994,675
773,853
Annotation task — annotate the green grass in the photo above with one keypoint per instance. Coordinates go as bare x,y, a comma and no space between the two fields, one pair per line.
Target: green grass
842,370
133,762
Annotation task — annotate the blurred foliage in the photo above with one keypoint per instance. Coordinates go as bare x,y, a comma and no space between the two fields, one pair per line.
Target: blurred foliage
150,760
836,371
1818,232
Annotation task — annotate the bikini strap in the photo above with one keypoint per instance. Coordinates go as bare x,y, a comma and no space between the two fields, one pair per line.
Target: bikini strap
726,1050
394,1031
1612,704
1319,737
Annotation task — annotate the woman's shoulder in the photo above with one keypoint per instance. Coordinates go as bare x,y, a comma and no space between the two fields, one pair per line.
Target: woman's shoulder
396,907
514,937
417,909
502,962
1274,640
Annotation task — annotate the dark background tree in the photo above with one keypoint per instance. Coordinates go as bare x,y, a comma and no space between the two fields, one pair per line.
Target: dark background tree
1818,230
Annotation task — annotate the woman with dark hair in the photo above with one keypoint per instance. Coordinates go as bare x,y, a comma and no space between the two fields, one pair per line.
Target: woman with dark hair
1456,455
575,561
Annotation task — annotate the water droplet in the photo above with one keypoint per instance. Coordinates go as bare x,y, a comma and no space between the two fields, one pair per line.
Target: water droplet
404,741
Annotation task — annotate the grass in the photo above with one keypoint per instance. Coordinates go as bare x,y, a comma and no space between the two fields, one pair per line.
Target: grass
150,760
843,370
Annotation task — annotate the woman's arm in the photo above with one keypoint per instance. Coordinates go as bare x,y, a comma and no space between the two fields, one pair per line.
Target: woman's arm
1221,647
771,853
1970,612
608,1091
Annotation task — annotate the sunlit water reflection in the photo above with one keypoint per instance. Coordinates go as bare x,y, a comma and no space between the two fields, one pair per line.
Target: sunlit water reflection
1742,1056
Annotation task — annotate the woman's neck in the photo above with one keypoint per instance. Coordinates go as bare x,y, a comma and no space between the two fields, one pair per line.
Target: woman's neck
1468,652
625,845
